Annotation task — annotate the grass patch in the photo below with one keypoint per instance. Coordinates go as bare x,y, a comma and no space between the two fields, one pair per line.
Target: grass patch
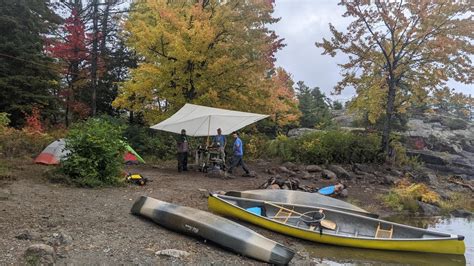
5,171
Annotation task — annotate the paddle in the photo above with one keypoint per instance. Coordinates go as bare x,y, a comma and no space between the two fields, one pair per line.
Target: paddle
324,223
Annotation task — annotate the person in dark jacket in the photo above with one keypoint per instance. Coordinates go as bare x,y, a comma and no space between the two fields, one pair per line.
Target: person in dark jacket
183,148
220,142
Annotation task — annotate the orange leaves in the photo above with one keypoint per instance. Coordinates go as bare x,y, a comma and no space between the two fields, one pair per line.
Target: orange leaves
33,121
214,53
282,100
406,48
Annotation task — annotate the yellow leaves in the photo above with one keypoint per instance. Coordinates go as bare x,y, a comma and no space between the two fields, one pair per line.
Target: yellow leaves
416,191
371,98
410,47
217,54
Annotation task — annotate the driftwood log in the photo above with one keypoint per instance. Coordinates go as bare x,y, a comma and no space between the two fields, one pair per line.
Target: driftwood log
459,182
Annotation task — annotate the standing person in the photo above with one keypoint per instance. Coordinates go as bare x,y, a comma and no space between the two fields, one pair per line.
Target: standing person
238,153
183,148
219,141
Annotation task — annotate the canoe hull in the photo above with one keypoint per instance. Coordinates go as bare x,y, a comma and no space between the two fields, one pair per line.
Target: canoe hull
301,198
219,230
444,246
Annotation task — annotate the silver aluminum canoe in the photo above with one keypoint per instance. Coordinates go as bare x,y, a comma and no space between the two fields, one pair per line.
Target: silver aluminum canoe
222,231
301,198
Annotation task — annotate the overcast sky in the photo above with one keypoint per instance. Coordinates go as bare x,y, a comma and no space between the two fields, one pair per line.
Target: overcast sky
303,22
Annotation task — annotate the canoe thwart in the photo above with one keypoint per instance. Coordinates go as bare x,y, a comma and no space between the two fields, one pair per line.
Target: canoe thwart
283,215
384,233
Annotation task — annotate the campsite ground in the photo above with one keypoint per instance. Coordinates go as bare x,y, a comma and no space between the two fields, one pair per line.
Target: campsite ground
102,228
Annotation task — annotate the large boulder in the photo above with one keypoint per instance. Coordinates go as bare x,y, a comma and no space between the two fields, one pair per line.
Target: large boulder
304,175
427,177
461,213
291,166
39,254
298,132
29,235
430,157
326,174
313,168
389,179
339,171
60,238
342,118
441,133
428,209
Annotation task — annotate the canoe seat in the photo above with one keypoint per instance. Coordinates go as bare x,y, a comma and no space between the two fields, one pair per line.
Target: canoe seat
384,233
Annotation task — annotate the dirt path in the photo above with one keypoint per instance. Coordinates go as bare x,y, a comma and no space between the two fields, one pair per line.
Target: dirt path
100,223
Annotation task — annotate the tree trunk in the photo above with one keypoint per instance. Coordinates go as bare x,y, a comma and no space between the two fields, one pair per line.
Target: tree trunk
387,128
66,115
102,46
130,118
95,47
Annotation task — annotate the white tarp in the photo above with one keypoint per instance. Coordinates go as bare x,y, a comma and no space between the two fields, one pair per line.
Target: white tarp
204,121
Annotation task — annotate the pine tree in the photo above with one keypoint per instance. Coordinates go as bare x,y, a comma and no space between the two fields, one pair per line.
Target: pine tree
27,75
313,105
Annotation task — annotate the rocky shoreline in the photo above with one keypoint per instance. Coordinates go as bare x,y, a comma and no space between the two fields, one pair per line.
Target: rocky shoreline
49,222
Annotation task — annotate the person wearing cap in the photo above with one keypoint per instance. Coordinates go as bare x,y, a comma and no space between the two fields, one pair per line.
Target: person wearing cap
220,142
238,153
183,148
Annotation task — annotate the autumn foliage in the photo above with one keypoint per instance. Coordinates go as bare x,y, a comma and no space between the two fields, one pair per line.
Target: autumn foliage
399,51
214,53
33,121
73,56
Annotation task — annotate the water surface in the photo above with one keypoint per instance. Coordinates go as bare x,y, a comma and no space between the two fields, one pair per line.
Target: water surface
333,255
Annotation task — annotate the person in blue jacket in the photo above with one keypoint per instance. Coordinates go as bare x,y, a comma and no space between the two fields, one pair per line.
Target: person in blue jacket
238,153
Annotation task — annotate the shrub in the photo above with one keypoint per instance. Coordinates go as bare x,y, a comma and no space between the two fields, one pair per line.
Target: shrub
327,147
146,141
454,123
404,196
19,143
4,120
96,156
458,200
282,147
400,157
253,144
4,170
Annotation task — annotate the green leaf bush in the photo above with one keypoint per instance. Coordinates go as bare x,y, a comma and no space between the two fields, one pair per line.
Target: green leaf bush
253,144
325,147
96,157
150,142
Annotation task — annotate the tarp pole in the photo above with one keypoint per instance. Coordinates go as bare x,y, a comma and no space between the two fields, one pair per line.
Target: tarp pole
208,131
